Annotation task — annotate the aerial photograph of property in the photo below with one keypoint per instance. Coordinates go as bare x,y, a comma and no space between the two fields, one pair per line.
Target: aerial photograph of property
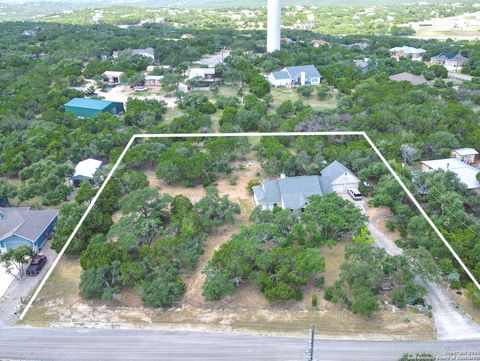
278,180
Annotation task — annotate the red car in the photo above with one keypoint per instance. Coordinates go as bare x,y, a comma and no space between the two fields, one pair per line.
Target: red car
36,265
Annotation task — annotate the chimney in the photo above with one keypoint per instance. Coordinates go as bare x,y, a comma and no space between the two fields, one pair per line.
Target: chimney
303,77
282,176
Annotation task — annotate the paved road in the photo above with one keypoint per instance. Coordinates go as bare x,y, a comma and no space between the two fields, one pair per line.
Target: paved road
450,322
108,344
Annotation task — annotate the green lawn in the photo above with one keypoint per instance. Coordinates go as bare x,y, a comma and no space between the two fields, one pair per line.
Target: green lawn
282,94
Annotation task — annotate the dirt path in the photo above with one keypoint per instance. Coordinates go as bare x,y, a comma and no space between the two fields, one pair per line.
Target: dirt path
450,322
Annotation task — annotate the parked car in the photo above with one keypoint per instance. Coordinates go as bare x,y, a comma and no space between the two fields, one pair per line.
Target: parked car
36,265
139,89
355,194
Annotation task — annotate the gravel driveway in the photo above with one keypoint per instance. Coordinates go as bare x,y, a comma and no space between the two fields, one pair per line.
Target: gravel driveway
451,323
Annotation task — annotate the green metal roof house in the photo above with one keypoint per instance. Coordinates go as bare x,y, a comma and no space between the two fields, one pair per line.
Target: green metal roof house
89,108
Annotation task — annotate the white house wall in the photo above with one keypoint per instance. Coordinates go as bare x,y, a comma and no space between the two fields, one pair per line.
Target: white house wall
344,182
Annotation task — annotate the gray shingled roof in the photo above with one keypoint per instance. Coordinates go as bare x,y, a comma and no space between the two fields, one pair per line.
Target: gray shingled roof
25,223
292,191
335,170
296,71
411,78
281,75
450,56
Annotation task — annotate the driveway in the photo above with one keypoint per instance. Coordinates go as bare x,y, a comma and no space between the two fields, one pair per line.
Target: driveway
451,323
19,290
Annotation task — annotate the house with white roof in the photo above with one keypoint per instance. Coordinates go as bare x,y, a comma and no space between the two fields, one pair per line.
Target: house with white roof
153,80
147,52
415,54
112,77
293,192
295,75
465,172
85,171
466,155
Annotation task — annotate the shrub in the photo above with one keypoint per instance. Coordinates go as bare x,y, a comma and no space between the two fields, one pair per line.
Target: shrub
252,183
320,282
314,300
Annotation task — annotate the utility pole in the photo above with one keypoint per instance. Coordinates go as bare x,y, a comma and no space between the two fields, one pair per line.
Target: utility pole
311,345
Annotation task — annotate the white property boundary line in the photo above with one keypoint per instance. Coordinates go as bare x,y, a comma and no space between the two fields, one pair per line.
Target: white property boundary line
221,135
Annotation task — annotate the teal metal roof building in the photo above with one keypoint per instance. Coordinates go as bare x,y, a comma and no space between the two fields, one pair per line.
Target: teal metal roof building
90,108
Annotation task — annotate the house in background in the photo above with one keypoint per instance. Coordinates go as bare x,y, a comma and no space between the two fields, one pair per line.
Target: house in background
360,46
147,52
293,192
465,172
188,36
85,171
452,62
466,155
408,52
112,77
22,226
153,80
362,64
294,76
411,78
90,108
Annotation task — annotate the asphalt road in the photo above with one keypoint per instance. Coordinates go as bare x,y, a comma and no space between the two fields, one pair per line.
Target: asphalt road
110,344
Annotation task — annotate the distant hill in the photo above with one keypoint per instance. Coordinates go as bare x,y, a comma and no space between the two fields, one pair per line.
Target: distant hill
25,9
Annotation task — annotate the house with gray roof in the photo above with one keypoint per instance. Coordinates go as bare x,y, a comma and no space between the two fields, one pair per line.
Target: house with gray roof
452,62
23,226
293,192
411,78
295,75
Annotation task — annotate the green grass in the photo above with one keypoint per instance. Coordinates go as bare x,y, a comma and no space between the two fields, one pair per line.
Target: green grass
283,94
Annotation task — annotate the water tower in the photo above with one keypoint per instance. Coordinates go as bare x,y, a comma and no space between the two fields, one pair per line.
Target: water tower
274,24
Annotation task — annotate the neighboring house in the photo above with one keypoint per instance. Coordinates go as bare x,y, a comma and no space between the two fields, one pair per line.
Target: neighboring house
30,33
362,64
411,78
360,46
113,77
188,36
205,75
147,52
466,155
153,80
293,192
465,172
22,226
89,108
452,62
295,75
415,54
85,171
